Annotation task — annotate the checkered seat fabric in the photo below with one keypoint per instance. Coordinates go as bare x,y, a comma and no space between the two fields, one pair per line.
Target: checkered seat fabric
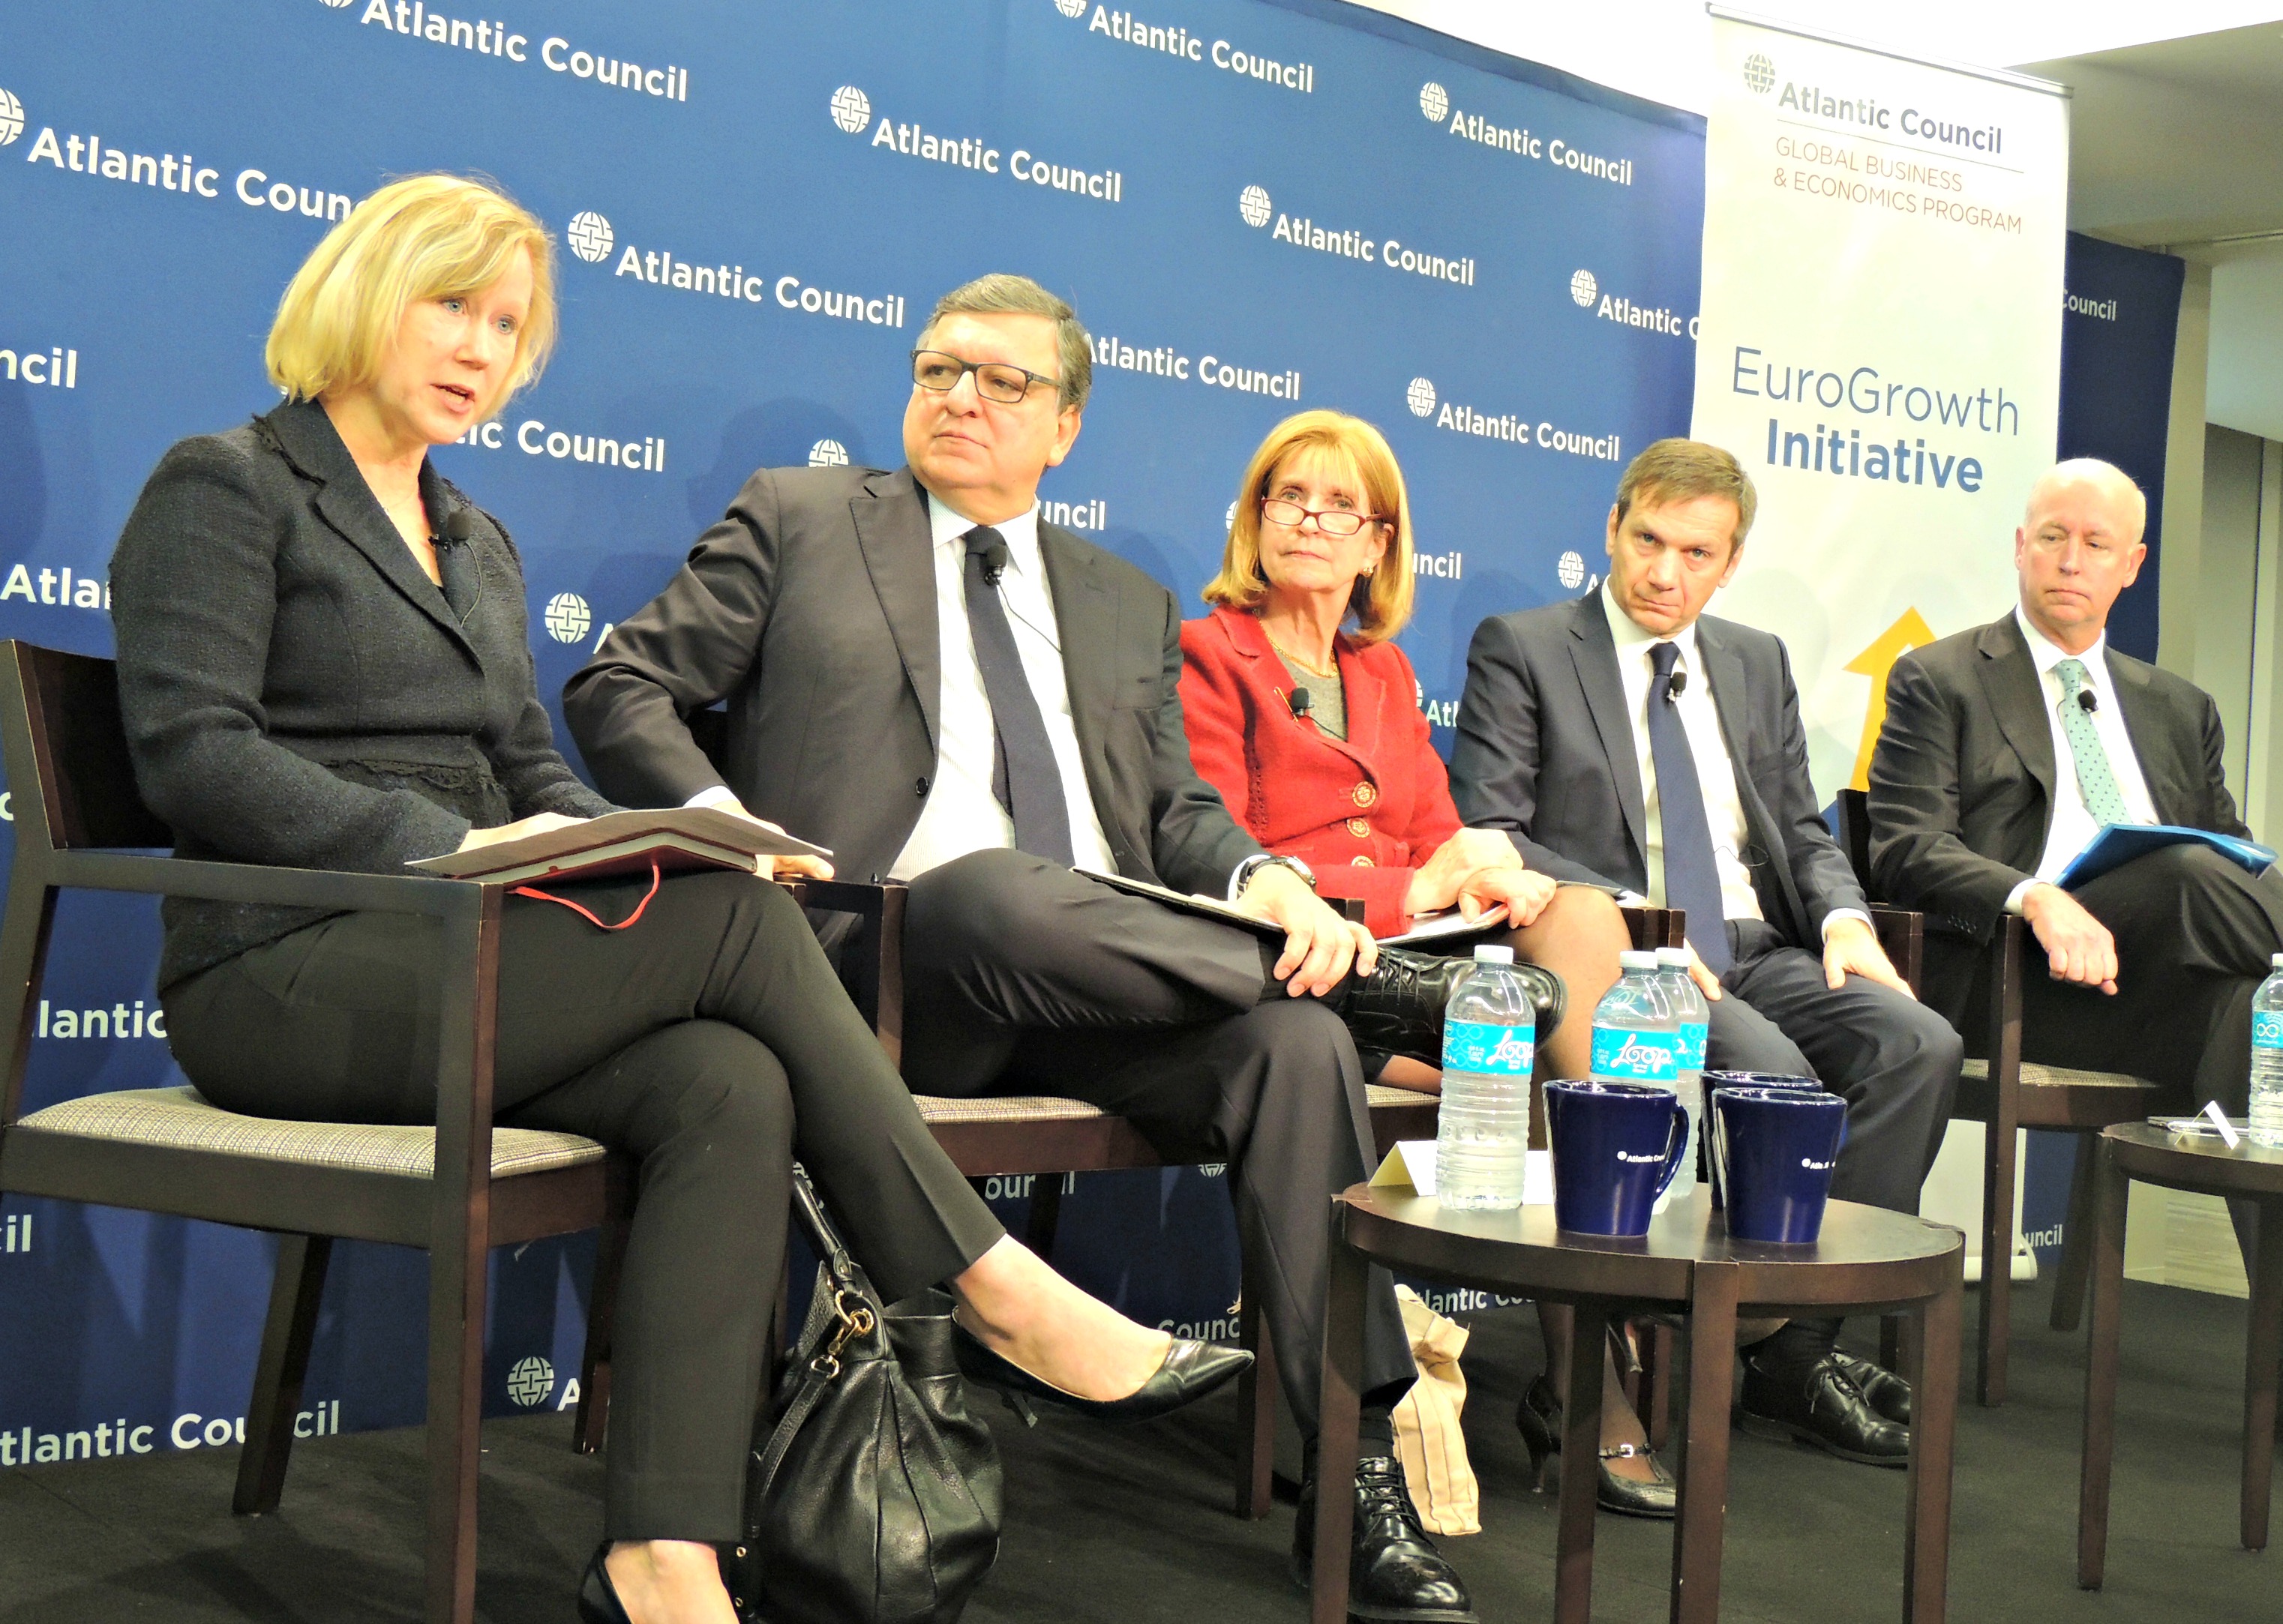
939,1110
181,1119
2034,1076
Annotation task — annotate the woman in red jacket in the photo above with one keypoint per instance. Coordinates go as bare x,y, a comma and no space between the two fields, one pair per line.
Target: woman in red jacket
1313,735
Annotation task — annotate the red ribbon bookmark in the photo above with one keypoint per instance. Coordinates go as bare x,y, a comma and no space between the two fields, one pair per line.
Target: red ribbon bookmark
538,895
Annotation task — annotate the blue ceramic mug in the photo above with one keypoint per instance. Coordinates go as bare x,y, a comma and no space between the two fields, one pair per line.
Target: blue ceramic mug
1713,1081
1617,1145
1777,1147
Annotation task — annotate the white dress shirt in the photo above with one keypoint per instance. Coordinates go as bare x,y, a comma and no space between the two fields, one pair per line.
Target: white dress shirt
1716,773
2073,827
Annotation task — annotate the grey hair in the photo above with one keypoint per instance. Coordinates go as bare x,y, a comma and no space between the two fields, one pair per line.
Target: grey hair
1004,293
2091,470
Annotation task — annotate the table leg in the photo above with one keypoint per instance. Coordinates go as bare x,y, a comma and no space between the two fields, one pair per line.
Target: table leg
1932,1361
1701,1524
2101,1373
2262,1351
1581,1460
1335,1433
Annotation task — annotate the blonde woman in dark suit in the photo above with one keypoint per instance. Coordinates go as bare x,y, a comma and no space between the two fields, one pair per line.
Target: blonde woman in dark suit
323,664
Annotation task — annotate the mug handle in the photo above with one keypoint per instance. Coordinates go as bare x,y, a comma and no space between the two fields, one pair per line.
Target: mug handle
1677,1145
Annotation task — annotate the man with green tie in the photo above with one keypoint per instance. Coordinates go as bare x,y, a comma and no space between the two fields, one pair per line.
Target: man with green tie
2006,748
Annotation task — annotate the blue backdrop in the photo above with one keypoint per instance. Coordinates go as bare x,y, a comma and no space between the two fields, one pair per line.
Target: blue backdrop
1255,206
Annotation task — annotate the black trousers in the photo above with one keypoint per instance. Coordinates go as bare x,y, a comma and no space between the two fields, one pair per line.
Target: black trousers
1024,978
710,1042
2194,934
1896,1062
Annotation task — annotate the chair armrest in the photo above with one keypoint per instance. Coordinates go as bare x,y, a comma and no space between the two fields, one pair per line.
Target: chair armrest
1902,936
249,883
1655,927
875,953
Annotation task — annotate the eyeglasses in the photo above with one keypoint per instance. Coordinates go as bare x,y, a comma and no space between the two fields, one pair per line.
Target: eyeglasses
994,380
1334,522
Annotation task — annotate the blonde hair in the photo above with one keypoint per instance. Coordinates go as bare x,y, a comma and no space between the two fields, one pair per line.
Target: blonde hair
1381,602
1671,471
426,236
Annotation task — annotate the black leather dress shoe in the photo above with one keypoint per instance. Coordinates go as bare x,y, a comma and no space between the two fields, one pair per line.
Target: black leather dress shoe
1395,1573
1191,1370
1826,1409
1884,1391
1399,1007
598,1598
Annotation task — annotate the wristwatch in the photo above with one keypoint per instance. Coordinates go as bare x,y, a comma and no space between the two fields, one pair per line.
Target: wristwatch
1259,860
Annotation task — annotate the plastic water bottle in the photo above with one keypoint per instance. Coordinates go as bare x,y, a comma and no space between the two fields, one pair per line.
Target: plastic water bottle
1692,1020
1635,1036
1490,1038
2267,1058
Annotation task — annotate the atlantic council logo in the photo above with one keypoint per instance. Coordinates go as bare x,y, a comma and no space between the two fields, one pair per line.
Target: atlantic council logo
828,453
591,236
12,118
1434,102
1759,74
334,5
1420,397
851,109
567,619
530,1382
1253,204
1071,9
1570,570
1583,289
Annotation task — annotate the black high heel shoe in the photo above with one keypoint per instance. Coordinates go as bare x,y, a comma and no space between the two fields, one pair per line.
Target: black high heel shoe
1190,1371
598,1597
1540,1418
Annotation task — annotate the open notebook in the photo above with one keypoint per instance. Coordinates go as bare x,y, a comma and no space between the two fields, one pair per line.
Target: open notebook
624,842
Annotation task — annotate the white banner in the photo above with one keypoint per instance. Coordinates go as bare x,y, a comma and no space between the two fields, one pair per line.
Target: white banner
1880,347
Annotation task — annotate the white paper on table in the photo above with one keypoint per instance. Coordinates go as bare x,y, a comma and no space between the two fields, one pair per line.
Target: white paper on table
1411,1165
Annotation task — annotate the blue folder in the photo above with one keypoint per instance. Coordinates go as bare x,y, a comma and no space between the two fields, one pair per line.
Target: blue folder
2118,843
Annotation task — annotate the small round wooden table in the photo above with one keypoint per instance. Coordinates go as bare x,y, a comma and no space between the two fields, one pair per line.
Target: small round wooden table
2151,1155
1868,1260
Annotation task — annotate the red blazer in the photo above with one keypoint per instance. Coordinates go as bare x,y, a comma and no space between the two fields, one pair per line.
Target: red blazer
1364,813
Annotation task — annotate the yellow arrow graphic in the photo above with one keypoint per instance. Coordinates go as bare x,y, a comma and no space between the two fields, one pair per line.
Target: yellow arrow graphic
1909,631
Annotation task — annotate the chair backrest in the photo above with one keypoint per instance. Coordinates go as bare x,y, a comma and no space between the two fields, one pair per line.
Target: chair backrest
1855,835
82,777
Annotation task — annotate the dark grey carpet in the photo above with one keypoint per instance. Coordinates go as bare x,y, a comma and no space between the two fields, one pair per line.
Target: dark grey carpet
1132,1526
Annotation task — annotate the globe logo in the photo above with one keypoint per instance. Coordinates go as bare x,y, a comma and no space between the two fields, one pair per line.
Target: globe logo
1759,74
828,453
12,118
1583,288
589,235
1071,8
1420,397
531,1381
567,619
1434,102
851,109
335,4
1252,203
1570,570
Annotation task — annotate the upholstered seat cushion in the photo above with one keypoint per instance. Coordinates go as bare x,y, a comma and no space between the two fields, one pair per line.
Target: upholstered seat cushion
2034,1076
180,1118
939,1110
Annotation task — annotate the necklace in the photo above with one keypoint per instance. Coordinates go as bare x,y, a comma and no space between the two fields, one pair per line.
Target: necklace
1312,670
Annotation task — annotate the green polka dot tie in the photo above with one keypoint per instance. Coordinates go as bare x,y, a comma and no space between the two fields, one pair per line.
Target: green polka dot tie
2094,778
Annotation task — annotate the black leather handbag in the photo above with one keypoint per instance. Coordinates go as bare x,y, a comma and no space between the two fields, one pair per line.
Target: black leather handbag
872,1497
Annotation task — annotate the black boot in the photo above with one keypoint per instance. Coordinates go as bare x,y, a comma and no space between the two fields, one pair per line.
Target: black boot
1399,1007
1395,1573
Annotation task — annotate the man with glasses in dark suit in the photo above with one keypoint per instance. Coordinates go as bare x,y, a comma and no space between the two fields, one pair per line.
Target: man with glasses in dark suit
922,674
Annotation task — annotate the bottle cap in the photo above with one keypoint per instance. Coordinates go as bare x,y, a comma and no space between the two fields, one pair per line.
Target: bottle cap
1632,960
1485,953
1672,958
2276,960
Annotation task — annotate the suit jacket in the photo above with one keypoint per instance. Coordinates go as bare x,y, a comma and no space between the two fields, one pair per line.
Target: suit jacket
1545,751
297,691
1962,780
810,611
1363,813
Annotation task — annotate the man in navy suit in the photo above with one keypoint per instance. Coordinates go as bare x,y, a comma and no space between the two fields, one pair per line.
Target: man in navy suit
1628,740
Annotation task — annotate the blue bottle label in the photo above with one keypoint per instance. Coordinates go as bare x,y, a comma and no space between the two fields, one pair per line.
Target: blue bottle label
2267,1031
1636,1057
1691,1050
1489,1049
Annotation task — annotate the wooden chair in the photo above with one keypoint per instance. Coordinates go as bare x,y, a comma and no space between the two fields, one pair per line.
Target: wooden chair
456,1190
2003,1091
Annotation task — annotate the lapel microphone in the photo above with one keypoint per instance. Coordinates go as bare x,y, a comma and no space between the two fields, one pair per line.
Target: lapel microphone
1300,703
2088,701
1673,685
994,561
458,527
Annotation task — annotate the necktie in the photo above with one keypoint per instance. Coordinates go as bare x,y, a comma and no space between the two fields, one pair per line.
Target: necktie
2094,778
1024,774
1692,880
